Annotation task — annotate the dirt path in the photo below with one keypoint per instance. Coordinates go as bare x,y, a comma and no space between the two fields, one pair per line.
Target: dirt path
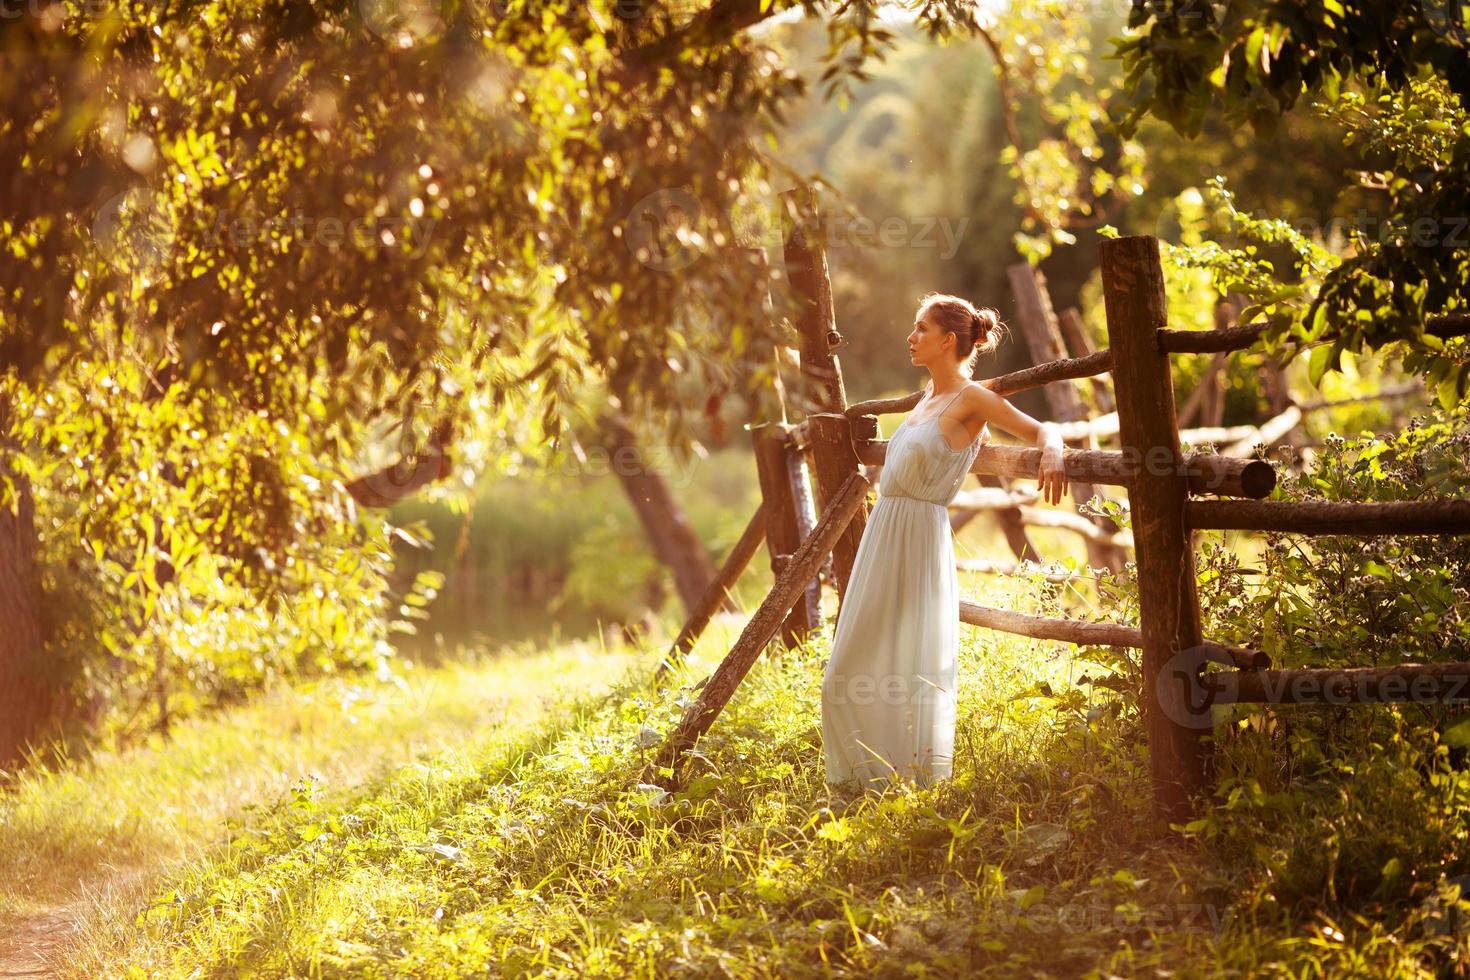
29,944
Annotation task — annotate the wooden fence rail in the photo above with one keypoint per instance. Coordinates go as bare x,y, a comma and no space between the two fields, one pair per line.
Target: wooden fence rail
1348,685
1205,472
1331,517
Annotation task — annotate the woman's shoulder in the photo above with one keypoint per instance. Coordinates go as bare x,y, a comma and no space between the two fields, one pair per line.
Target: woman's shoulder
976,399
976,393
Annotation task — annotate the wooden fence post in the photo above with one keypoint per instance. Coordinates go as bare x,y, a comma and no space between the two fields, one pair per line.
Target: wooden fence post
1080,345
831,432
1133,293
1044,337
806,519
834,460
772,443
816,324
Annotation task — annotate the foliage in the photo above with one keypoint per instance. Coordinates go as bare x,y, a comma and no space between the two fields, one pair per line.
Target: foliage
1336,601
1255,60
1398,75
1070,168
564,546
146,553
1339,603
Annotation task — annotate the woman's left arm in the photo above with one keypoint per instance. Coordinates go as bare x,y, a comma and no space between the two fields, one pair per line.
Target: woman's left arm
1052,476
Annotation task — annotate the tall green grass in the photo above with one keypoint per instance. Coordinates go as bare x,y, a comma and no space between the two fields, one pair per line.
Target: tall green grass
547,852
88,839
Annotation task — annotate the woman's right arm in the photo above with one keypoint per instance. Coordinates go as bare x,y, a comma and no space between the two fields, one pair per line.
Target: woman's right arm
1051,477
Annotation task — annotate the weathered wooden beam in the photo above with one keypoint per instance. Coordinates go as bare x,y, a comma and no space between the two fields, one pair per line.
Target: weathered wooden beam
716,692
1107,425
783,530
1084,633
816,323
1215,434
830,439
834,460
1103,426
1207,341
1096,428
1091,465
1137,311
1005,384
1012,525
1207,473
1076,631
1077,524
1239,338
986,566
1269,433
1044,337
1211,473
1342,685
1080,345
806,519
1331,517
992,498
719,591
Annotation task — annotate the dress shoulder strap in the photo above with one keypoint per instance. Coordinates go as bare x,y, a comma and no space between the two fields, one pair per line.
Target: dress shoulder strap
952,398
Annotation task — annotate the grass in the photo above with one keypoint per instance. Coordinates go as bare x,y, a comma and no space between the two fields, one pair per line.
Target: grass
89,840
540,849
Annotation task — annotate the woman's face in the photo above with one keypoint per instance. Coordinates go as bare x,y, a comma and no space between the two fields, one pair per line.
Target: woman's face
928,344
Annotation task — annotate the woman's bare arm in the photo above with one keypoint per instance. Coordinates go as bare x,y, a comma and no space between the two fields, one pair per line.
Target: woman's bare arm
981,406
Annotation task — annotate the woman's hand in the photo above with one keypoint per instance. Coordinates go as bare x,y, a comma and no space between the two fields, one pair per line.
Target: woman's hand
1052,478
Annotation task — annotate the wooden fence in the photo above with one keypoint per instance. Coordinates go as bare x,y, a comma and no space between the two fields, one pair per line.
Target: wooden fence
1170,494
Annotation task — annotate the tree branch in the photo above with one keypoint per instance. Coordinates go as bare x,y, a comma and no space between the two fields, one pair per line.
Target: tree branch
406,477
707,29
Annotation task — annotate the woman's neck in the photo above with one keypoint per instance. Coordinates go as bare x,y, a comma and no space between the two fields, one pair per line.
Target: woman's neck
946,381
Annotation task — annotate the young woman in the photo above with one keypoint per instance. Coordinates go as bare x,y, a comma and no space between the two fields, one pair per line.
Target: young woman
888,695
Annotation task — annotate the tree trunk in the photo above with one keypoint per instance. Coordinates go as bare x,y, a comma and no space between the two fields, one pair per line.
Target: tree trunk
668,530
25,695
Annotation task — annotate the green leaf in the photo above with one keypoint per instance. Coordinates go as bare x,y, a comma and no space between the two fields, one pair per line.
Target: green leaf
1448,391
1458,735
1323,359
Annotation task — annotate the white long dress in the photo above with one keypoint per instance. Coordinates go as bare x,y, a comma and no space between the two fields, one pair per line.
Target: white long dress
888,694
